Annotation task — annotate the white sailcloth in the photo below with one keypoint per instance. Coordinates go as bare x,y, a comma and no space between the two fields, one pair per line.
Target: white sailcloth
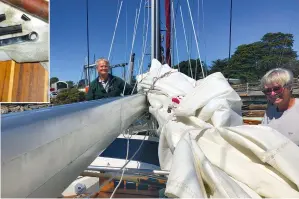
205,145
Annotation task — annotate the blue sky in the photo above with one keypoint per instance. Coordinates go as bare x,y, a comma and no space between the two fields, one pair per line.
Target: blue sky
251,20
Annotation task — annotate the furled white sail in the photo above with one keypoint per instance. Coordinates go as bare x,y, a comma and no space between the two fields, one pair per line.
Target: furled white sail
205,145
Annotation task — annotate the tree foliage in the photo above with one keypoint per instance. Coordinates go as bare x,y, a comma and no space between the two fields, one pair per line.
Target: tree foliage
192,68
71,84
251,61
69,96
53,80
81,83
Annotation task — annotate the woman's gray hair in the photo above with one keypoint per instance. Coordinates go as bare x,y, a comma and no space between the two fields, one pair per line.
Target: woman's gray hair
281,76
104,60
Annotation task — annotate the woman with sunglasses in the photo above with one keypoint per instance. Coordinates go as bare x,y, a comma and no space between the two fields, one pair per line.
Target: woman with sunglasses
282,112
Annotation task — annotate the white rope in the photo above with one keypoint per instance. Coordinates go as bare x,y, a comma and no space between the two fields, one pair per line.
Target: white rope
203,29
197,34
176,41
143,29
197,47
186,41
128,137
126,52
144,48
159,77
121,3
134,35
139,71
123,170
117,9
112,177
145,32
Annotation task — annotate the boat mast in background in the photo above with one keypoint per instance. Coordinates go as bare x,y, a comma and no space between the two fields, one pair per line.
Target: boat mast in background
230,28
168,31
87,29
155,34
130,80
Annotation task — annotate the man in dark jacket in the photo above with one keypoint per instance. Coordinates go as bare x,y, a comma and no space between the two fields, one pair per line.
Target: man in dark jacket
107,85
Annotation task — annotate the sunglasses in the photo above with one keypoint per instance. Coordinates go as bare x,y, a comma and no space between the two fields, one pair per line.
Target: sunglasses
275,89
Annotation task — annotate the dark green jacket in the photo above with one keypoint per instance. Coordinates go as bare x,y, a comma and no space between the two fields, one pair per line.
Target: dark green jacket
115,89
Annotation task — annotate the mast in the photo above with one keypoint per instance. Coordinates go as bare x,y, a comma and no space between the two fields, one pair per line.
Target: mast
131,68
168,31
230,28
87,29
155,34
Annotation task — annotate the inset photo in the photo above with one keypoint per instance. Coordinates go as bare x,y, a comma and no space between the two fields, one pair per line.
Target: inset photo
24,51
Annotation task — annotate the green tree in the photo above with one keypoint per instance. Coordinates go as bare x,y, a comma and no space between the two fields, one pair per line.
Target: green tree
194,70
70,84
81,83
69,96
251,61
133,81
219,65
53,80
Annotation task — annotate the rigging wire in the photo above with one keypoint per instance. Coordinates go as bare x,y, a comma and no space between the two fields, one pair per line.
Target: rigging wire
197,33
186,41
112,53
176,41
117,9
134,36
123,167
87,35
203,30
173,19
143,28
126,51
230,28
115,30
171,37
144,47
127,162
197,47
123,170
145,31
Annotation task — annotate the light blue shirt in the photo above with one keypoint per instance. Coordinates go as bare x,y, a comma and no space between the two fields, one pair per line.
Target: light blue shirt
286,122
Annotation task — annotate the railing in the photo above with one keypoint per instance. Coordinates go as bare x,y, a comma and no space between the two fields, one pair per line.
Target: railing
247,87
44,150
255,88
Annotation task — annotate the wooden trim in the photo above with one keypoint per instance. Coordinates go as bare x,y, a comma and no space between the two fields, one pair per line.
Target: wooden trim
47,85
4,80
15,88
23,82
11,79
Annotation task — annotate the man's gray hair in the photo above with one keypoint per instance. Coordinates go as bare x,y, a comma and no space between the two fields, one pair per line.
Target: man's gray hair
104,60
281,76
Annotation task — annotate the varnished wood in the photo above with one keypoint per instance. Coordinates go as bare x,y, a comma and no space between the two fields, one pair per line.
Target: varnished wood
23,82
5,71
255,107
253,113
